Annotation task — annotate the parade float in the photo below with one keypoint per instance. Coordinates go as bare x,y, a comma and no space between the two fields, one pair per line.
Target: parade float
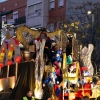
66,76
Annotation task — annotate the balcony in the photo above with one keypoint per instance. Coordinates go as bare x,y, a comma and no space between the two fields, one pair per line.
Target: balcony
20,20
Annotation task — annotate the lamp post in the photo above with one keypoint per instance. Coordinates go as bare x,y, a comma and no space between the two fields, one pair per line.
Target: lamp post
90,12
92,22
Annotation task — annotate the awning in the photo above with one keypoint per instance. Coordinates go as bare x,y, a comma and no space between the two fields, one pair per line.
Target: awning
5,13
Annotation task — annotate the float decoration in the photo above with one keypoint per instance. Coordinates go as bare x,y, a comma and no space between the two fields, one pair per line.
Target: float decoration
38,92
8,32
23,30
12,49
2,55
85,57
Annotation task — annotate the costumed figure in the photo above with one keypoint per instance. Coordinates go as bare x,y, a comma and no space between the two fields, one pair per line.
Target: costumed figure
72,69
48,85
57,79
69,59
51,79
87,87
58,71
57,57
47,47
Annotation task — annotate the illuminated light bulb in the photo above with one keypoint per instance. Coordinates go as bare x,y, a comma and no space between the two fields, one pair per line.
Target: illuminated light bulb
38,93
11,45
1,88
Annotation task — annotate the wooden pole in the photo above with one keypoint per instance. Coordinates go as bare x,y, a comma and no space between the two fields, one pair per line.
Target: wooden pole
0,72
64,68
16,70
8,71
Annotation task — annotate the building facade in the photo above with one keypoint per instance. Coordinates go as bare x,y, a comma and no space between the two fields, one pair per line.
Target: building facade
37,13
57,13
45,13
13,12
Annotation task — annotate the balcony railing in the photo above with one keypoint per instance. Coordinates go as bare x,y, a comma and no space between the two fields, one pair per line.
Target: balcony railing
20,20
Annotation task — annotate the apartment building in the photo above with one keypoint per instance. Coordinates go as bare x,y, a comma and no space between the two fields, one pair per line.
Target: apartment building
12,12
45,13
57,13
37,13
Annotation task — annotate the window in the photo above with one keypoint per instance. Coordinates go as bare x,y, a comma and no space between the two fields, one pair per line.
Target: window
34,10
4,18
15,15
10,21
16,4
61,3
52,4
4,8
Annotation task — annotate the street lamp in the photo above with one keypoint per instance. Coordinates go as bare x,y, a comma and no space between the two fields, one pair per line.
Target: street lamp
90,12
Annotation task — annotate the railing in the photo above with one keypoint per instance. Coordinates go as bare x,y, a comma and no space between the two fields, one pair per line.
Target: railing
20,20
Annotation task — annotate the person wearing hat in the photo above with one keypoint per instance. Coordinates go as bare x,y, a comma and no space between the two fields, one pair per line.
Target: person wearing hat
58,56
47,47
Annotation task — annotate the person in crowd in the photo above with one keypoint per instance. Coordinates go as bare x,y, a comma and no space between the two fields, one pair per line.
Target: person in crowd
29,96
